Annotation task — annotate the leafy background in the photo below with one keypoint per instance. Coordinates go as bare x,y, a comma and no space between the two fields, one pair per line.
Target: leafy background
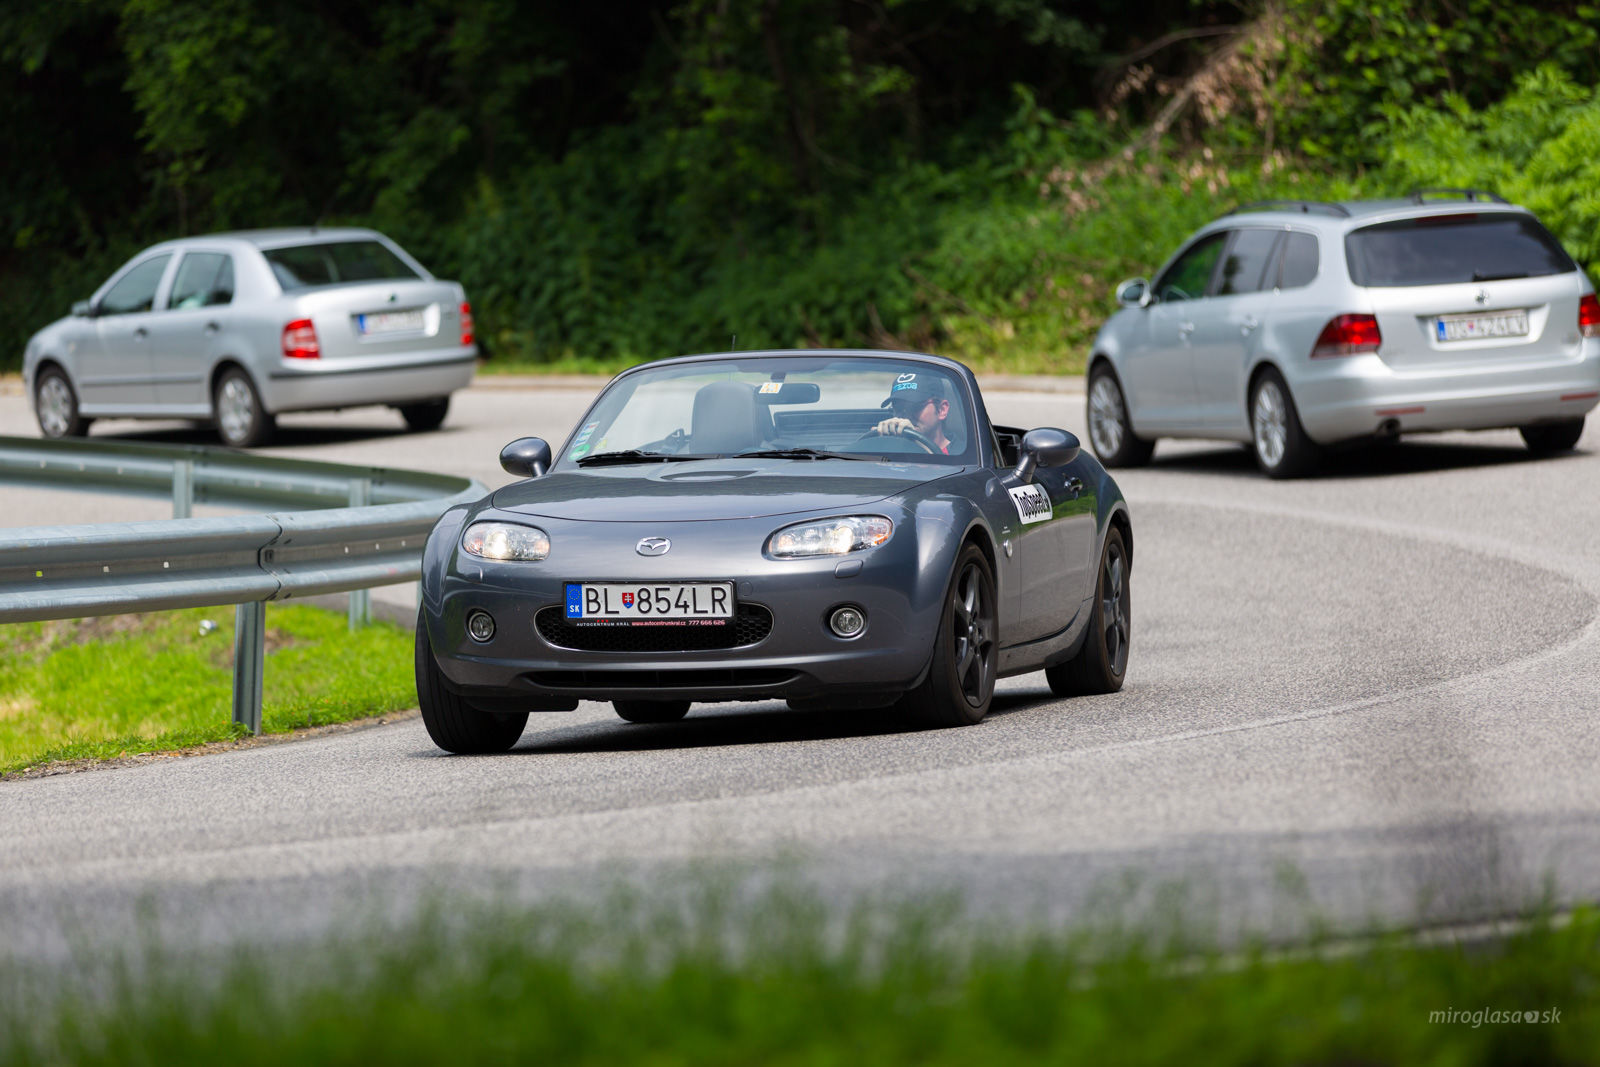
623,181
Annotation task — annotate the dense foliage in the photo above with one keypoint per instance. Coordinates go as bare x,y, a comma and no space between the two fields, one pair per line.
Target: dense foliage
636,179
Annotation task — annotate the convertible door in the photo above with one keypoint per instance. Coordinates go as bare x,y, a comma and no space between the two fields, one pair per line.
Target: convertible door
1055,516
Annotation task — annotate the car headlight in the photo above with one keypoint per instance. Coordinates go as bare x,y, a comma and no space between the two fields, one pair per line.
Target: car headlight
506,541
829,537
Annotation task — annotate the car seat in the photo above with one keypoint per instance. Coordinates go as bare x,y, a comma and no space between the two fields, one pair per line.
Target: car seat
728,417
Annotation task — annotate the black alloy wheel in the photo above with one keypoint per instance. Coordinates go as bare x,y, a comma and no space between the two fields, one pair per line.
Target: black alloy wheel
1102,663
960,683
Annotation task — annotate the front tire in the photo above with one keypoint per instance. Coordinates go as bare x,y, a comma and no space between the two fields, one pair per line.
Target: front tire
455,725
1281,447
1110,428
1102,663
960,683
1547,437
426,416
242,421
55,405
651,710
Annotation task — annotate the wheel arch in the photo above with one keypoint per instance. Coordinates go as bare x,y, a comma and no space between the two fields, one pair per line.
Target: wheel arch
225,364
1257,372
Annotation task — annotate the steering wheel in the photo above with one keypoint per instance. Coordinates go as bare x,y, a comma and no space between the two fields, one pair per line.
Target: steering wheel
911,435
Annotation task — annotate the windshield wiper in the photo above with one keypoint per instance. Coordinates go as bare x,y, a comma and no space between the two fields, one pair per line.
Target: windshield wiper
634,455
800,453
1490,276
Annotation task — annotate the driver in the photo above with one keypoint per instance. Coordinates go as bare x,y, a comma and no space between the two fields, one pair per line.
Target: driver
919,403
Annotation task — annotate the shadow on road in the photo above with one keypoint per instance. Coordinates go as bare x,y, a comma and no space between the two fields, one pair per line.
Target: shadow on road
1366,461
733,725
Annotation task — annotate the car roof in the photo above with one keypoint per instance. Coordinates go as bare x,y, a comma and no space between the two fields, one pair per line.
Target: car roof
1344,214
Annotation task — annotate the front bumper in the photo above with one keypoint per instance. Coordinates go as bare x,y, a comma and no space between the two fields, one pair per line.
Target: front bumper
798,659
1359,396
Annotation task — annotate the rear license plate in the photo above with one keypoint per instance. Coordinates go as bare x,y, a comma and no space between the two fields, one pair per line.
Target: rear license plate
390,322
1476,327
636,603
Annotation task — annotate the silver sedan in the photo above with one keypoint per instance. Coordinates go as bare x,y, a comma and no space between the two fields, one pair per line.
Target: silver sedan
234,328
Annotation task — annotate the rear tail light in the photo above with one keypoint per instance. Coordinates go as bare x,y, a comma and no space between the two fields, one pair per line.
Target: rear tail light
1589,316
1348,335
466,324
300,340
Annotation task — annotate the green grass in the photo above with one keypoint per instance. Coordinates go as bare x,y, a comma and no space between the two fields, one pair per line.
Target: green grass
107,687
791,980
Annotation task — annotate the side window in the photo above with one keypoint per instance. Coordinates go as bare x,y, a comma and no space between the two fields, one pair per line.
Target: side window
136,291
1246,261
201,282
1190,276
1299,261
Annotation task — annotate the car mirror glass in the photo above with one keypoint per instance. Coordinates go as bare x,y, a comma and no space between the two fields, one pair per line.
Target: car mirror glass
526,457
1135,292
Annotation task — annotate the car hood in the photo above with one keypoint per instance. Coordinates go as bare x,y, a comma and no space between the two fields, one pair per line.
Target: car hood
711,489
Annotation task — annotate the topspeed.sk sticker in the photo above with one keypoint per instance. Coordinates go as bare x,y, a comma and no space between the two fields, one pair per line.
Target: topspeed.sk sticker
1033,503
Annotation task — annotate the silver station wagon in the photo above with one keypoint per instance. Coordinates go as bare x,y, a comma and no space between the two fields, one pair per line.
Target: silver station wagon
235,328
1294,325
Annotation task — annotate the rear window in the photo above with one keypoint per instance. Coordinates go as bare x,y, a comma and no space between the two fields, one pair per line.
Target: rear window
333,263
1446,249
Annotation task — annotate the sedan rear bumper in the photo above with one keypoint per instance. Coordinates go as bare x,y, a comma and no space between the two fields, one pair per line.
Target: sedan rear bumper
308,385
1362,396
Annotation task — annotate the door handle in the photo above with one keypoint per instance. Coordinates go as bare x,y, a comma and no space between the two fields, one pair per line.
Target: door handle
1186,328
1074,486
1250,323
212,327
140,334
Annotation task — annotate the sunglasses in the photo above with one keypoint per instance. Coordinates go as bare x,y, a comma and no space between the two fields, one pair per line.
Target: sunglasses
911,405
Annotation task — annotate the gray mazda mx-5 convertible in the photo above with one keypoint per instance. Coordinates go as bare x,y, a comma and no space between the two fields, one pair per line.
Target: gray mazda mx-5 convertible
837,529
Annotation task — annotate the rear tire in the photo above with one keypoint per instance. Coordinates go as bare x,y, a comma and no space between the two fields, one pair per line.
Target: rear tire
428,415
651,710
455,725
55,405
1282,449
1102,663
241,420
1110,428
1547,437
960,683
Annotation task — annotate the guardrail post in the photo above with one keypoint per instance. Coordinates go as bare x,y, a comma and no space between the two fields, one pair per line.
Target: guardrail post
182,488
360,599
249,657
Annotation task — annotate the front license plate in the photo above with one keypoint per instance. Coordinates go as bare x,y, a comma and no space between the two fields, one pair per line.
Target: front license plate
1476,327
390,322
637,603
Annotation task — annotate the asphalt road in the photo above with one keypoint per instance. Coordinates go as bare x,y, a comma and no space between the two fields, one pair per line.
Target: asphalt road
1370,695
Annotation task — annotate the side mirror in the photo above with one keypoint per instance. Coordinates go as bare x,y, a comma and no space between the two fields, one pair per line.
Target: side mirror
83,309
526,457
1045,447
1133,293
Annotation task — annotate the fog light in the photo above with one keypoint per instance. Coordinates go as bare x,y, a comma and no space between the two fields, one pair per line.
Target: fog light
480,625
848,621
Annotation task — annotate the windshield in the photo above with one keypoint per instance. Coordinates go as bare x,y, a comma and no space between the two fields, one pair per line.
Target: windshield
798,407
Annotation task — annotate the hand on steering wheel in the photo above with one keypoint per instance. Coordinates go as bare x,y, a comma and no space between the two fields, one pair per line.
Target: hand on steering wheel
897,431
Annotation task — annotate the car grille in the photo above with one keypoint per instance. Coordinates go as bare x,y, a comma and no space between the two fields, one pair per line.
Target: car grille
750,625
711,678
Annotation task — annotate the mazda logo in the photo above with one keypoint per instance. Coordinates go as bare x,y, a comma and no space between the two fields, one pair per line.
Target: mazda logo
653,546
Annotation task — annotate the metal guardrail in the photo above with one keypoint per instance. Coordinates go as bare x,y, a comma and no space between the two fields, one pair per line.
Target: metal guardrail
365,527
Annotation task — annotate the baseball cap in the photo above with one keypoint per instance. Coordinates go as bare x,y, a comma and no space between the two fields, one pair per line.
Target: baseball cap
913,389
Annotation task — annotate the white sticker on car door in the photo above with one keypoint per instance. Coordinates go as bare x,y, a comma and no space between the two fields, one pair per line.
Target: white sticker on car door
1033,503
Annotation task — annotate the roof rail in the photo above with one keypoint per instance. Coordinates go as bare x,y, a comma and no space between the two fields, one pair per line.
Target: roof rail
1308,207
1420,196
